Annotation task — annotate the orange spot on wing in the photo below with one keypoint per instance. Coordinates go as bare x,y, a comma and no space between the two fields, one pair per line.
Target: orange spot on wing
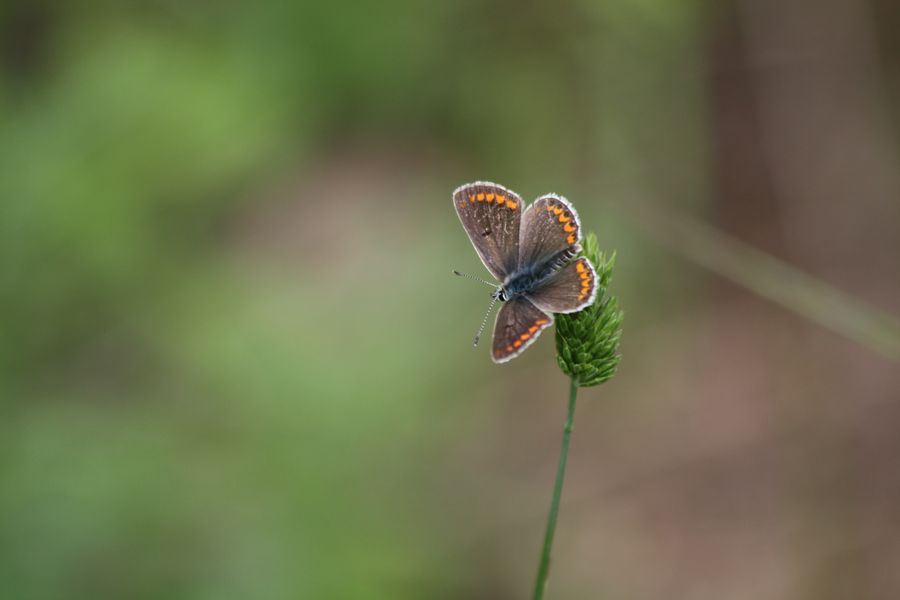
524,336
569,228
564,218
586,287
480,197
471,197
579,266
511,204
501,199
489,197
532,329
509,348
571,238
557,210
517,343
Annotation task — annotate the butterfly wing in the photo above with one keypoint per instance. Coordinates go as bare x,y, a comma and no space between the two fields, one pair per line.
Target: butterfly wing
491,215
550,228
519,323
572,288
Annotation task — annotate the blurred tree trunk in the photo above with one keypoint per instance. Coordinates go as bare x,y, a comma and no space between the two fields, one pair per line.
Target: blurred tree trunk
806,168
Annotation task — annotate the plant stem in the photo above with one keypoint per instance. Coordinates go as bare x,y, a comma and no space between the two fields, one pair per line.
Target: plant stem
544,567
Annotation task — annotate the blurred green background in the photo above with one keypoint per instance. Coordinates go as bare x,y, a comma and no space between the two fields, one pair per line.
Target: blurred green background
234,363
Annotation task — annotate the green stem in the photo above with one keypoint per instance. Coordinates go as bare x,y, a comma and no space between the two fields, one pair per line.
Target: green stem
544,567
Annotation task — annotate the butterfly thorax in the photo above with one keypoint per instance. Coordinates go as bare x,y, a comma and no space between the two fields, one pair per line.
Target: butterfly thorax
525,280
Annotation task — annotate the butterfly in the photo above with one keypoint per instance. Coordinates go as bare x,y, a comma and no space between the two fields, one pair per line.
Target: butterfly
531,252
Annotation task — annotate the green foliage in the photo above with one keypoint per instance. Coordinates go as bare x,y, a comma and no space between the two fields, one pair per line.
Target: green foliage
175,300
587,342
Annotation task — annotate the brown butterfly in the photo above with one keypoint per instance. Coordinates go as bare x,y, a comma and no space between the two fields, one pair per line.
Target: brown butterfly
531,252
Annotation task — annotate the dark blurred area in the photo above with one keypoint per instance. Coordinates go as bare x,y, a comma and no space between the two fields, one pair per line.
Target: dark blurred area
234,362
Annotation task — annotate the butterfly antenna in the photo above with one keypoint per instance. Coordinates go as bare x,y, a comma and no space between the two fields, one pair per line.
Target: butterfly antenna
473,278
494,298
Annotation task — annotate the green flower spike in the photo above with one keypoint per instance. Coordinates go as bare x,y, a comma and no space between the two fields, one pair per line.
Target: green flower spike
587,346
587,342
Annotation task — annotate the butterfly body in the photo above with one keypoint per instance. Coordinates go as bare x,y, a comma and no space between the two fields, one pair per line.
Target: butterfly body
531,252
527,279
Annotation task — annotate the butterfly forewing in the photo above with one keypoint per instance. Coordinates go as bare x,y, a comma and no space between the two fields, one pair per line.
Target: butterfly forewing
519,323
491,215
571,289
549,226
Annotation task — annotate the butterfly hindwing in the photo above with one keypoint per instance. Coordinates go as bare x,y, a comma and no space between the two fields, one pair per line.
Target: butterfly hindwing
491,215
550,226
518,325
571,289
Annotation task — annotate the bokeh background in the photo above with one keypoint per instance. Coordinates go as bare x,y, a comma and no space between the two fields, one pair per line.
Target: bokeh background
234,362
